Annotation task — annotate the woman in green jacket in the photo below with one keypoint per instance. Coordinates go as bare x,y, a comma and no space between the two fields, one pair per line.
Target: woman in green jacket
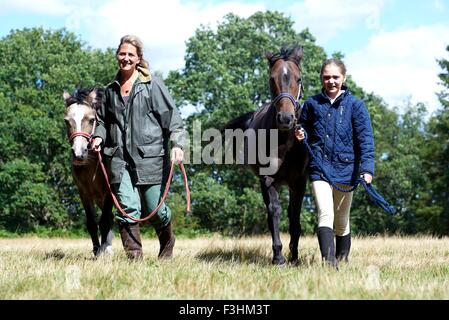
137,121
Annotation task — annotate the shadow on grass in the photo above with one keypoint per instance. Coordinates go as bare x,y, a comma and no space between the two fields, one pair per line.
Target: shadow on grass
59,255
236,255
257,256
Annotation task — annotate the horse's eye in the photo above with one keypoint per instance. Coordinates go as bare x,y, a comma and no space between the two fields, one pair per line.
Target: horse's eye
67,122
91,121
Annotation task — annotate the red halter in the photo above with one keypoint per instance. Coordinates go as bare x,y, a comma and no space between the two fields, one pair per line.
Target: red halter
88,136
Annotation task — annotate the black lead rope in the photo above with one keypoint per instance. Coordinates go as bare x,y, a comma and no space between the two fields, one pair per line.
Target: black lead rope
375,196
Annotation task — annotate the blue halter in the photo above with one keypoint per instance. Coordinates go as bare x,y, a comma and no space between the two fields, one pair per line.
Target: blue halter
287,95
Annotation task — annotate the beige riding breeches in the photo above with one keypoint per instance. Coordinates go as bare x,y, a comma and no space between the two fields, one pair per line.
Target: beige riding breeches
333,207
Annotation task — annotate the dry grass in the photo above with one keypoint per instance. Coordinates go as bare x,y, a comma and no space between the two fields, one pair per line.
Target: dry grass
223,268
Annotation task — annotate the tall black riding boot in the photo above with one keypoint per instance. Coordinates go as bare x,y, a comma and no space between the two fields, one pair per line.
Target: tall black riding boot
342,247
130,234
327,247
166,241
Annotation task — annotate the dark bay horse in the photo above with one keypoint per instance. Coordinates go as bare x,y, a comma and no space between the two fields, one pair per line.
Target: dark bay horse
291,157
80,119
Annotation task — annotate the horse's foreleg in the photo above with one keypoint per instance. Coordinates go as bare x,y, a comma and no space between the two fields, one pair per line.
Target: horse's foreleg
294,213
91,223
105,225
271,198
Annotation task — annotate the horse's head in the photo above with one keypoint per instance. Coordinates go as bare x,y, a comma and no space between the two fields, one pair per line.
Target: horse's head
285,84
80,119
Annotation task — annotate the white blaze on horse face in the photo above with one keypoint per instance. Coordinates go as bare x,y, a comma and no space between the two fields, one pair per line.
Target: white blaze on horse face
284,69
77,113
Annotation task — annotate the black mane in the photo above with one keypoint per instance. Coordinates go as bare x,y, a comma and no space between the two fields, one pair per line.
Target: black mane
288,52
81,96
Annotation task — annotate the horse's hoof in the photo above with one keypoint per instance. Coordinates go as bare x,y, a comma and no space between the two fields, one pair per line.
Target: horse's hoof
279,261
104,251
293,261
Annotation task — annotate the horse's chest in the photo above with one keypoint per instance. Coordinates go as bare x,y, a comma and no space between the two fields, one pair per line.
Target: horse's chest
90,183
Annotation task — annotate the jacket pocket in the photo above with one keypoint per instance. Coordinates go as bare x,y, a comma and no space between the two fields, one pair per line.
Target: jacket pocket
149,151
109,151
346,157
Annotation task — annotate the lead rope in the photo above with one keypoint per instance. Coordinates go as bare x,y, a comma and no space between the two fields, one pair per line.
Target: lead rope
369,188
167,187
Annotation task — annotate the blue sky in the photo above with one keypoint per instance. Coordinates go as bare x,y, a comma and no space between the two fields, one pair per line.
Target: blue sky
390,46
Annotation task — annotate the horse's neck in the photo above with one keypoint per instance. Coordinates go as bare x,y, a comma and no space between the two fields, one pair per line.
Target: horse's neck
286,140
264,118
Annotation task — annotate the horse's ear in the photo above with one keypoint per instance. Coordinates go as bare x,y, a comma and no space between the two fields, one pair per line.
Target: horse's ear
66,95
269,55
93,96
298,55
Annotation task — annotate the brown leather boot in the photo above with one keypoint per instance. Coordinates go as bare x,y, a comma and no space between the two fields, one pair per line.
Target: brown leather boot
166,241
130,234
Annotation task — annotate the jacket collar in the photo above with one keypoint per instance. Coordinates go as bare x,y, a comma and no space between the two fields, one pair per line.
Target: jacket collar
144,76
344,88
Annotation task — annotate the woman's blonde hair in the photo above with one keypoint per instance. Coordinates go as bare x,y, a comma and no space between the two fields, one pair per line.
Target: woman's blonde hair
136,42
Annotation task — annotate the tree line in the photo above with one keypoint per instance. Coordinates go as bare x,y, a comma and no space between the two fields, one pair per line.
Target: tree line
225,75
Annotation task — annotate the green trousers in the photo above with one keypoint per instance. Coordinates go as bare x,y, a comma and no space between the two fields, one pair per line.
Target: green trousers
138,201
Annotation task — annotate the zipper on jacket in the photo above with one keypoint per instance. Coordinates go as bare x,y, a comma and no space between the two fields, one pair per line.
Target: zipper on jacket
342,108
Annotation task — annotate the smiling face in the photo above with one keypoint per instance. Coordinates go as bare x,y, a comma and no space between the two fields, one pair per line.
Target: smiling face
332,78
127,57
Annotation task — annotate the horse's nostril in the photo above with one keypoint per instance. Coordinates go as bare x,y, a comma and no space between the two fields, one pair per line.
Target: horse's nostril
286,119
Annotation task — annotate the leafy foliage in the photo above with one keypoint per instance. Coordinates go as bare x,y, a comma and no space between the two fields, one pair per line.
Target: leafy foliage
225,75
37,66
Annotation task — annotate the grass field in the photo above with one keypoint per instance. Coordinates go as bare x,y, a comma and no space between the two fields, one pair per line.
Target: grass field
224,268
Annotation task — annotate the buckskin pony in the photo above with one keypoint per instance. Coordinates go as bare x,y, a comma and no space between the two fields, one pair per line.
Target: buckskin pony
291,160
80,119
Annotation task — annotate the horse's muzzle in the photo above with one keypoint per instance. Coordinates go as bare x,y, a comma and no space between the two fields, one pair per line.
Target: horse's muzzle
285,121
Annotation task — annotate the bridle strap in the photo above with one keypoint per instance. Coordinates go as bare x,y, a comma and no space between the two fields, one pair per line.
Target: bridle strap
287,95
88,136
283,95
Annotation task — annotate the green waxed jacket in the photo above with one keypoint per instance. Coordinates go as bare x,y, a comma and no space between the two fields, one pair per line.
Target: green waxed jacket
137,133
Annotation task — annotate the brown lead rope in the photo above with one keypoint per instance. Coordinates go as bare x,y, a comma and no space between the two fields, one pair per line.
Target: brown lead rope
167,186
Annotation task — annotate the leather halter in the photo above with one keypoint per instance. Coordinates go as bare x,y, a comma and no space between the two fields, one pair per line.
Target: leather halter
298,106
88,136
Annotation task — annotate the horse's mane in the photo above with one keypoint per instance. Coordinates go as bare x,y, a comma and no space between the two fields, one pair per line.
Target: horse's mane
81,96
288,52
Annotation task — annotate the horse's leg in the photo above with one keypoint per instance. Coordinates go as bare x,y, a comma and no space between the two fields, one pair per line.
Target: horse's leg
91,224
105,225
271,199
294,213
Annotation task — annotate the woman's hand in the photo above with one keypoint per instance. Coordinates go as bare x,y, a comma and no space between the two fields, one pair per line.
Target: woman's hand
299,134
177,154
367,177
96,144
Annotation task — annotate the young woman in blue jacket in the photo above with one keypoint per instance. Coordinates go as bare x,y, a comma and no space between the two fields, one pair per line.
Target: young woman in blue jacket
340,135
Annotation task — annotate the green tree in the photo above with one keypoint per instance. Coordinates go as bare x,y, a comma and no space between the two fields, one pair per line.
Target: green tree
226,75
435,209
37,66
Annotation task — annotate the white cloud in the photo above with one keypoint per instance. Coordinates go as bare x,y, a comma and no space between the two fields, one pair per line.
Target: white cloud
327,18
47,7
395,65
402,64
163,27
439,5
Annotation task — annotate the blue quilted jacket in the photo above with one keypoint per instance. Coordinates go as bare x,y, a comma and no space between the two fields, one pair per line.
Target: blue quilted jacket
340,135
